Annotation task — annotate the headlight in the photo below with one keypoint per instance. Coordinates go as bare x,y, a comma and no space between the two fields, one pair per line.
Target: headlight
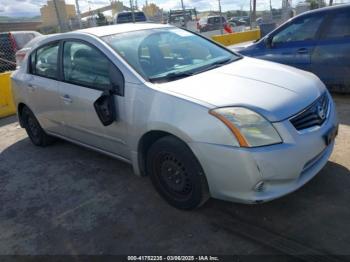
250,128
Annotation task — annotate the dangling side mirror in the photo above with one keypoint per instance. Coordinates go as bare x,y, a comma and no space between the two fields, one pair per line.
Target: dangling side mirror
105,106
117,80
268,41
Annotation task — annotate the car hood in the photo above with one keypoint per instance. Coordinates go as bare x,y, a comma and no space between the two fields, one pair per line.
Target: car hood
241,46
275,91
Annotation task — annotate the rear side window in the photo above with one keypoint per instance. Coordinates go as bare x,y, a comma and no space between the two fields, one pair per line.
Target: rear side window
85,65
43,62
339,26
127,17
140,17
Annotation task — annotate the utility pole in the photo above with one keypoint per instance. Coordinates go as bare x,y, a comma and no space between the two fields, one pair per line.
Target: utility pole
132,11
253,17
78,12
250,14
184,13
221,20
60,24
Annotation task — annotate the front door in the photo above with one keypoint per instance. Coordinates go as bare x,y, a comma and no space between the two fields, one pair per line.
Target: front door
86,77
294,43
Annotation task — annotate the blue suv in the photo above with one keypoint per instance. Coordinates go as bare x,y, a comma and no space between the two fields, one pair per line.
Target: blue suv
317,41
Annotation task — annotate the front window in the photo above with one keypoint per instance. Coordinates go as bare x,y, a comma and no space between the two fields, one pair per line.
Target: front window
162,55
79,70
302,29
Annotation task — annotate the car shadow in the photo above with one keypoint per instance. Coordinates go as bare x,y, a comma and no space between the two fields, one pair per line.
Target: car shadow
64,199
8,120
315,217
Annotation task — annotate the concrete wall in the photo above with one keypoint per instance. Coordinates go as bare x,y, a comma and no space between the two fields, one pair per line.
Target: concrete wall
235,38
19,26
7,106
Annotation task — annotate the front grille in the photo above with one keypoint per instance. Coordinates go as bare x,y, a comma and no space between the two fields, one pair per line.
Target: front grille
313,115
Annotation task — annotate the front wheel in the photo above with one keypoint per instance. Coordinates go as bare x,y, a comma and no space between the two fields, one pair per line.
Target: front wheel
35,132
176,173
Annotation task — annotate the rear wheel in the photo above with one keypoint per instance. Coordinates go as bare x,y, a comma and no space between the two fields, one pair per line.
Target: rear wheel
176,173
35,132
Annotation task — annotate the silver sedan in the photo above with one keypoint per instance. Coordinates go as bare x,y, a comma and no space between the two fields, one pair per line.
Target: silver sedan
197,118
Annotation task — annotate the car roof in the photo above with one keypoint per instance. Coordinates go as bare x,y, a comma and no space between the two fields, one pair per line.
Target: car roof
327,9
20,32
25,32
129,12
120,28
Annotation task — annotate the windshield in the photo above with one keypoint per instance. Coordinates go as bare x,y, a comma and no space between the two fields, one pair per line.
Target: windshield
158,53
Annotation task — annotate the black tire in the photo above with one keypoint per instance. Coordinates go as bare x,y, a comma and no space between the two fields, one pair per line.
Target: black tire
176,173
35,132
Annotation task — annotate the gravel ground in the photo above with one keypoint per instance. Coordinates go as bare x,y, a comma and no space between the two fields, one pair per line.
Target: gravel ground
65,199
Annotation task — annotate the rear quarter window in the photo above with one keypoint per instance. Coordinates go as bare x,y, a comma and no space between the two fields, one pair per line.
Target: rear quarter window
44,61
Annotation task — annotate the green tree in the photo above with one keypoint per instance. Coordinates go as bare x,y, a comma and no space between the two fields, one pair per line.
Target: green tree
314,4
151,10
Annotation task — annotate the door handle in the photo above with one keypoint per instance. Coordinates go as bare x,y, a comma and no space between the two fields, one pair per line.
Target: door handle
302,51
67,99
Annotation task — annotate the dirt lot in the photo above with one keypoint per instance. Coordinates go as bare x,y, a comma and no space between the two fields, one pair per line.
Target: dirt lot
65,199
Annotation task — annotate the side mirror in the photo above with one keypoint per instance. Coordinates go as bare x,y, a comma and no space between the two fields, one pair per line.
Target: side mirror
105,108
268,41
105,105
117,80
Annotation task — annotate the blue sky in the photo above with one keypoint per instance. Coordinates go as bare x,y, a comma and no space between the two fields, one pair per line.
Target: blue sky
17,8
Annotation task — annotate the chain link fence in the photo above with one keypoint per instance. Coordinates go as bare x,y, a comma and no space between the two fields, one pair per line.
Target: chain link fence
7,53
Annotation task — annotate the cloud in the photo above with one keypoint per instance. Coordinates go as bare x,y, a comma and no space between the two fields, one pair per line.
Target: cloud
20,7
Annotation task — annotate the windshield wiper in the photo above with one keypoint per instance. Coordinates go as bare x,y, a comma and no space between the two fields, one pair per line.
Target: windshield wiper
222,62
216,64
177,75
170,76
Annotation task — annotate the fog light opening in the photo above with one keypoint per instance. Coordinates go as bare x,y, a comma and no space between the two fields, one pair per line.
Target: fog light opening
260,186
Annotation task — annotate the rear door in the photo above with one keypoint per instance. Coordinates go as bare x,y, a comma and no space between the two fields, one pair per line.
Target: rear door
294,43
42,87
331,58
87,73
